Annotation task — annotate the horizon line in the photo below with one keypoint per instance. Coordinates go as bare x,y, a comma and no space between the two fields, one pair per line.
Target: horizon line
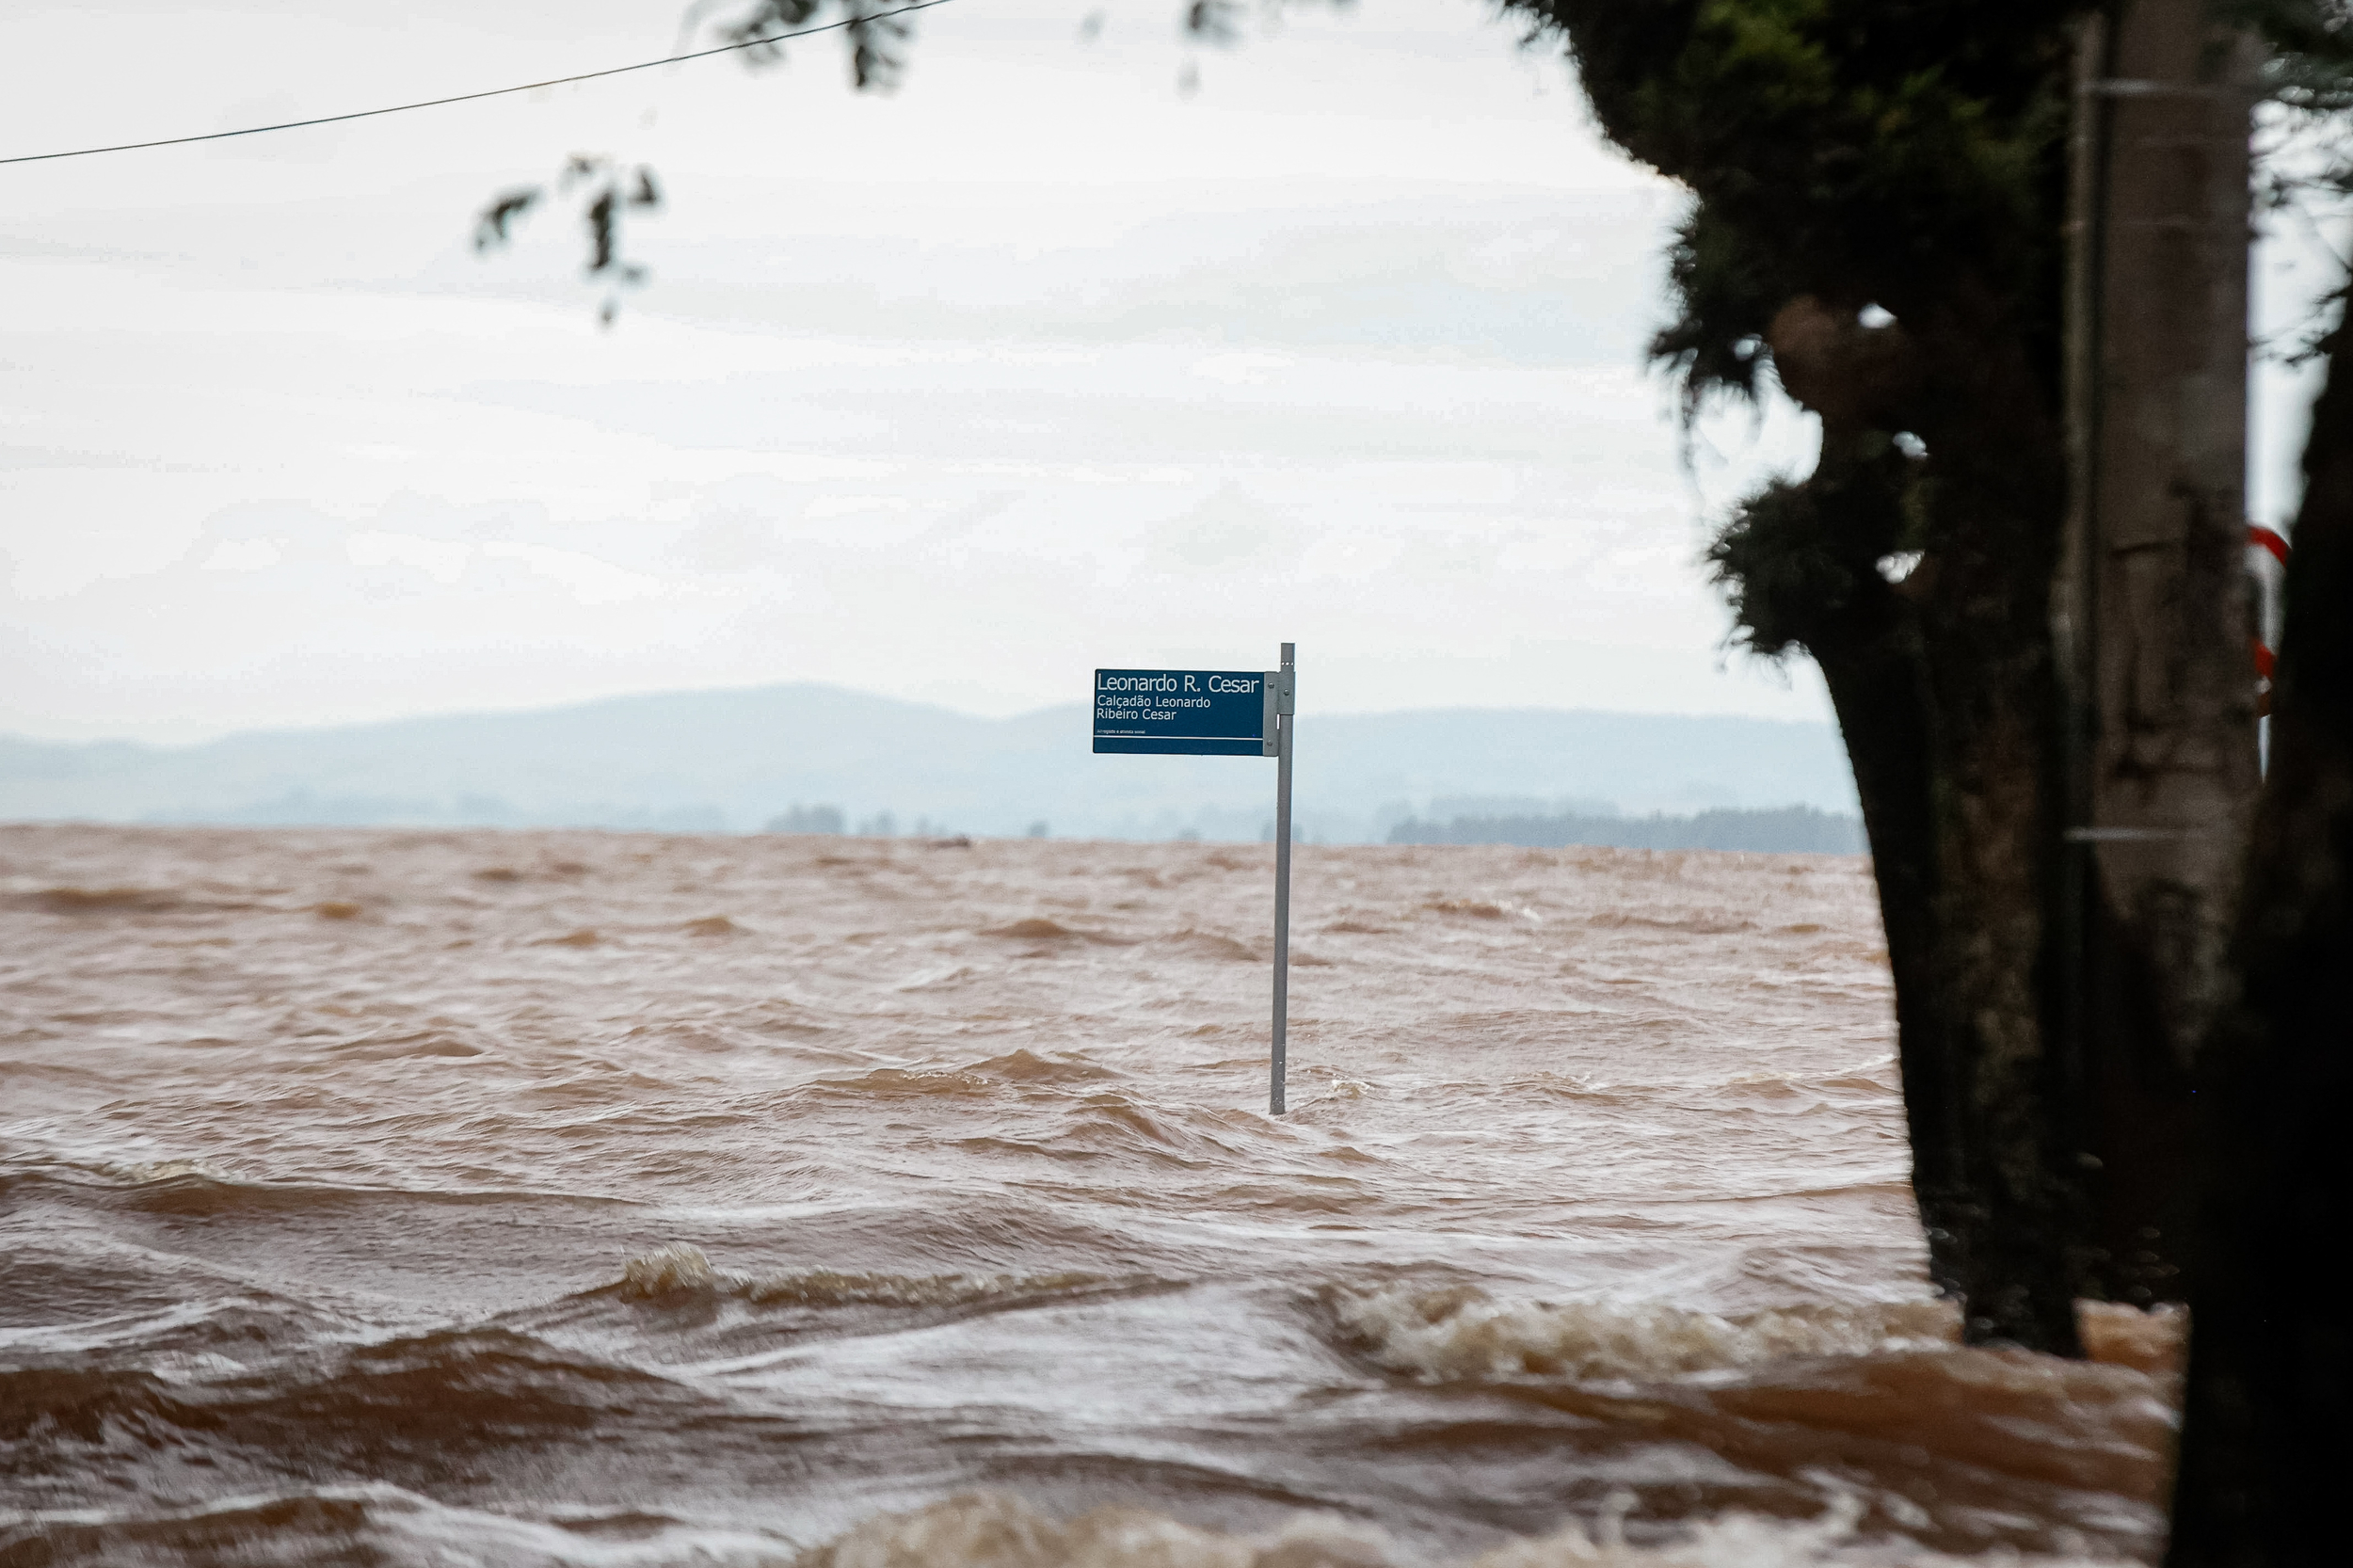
331,725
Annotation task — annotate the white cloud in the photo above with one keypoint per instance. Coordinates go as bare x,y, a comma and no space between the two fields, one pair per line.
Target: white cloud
243,555
821,507
1224,532
587,579
1236,370
442,560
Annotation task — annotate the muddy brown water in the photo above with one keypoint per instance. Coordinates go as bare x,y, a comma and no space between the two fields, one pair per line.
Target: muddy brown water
480,1197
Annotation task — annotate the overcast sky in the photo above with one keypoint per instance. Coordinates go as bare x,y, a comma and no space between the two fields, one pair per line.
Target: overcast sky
1037,364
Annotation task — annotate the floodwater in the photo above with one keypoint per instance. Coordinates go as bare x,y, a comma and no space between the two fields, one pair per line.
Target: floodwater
380,1198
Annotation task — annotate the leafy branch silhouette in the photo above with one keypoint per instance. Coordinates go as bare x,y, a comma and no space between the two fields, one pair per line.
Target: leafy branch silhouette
605,189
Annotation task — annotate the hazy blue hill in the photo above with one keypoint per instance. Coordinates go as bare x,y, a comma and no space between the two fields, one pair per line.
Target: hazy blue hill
702,760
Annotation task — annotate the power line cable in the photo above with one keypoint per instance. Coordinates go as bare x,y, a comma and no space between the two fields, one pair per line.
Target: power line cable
493,93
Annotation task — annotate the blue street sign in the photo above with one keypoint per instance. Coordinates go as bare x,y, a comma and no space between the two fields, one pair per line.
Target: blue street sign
1220,714
1183,713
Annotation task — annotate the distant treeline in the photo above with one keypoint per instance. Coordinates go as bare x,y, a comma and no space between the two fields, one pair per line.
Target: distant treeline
811,818
882,824
1784,830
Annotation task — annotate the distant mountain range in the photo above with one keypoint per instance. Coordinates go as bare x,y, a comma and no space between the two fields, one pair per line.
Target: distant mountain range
734,760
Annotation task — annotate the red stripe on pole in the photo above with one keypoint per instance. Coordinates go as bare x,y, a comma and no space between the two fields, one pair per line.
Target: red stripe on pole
2270,539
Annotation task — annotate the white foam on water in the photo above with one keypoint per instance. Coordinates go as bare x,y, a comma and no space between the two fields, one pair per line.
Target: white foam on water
1466,1335
140,1172
664,1270
377,1523
994,1529
681,1266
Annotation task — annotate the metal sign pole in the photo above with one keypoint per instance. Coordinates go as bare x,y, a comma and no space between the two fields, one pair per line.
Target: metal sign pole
1285,687
1158,712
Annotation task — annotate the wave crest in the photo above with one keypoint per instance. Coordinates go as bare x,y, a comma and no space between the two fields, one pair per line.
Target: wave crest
667,1270
380,1522
141,1173
681,1268
994,1529
376,1523
45,1404
1466,1335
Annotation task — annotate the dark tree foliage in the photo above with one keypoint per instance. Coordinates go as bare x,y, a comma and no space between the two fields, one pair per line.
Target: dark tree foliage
1860,153
2310,76
1878,194
2312,41
875,40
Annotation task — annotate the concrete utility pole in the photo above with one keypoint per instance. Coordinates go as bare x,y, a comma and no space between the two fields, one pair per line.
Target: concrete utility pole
2151,612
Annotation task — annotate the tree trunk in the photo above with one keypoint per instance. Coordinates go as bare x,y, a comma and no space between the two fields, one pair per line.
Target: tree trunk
1871,660
2151,615
2267,1440
1947,699
1998,448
